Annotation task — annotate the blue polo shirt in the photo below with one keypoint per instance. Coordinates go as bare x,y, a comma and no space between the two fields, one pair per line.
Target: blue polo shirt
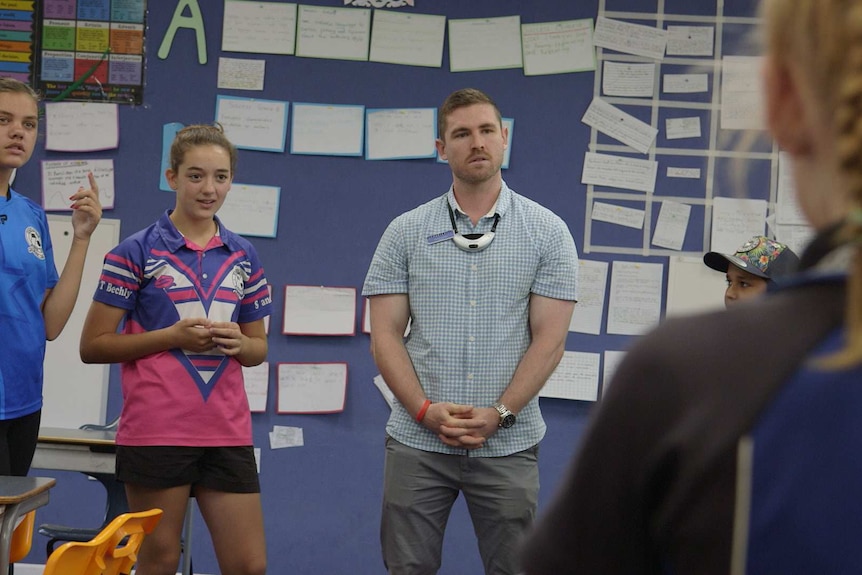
26,270
469,310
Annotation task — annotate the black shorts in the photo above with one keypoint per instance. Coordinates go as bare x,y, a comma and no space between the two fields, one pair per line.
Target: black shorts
228,469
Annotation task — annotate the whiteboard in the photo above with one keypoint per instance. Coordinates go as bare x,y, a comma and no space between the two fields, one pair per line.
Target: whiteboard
76,393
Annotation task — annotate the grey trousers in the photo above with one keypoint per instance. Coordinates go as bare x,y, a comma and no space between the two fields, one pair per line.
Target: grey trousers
419,489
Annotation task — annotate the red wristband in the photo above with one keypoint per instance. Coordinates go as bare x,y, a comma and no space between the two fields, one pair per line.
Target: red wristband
421,415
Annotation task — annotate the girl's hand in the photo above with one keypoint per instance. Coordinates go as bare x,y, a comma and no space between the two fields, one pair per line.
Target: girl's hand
87,209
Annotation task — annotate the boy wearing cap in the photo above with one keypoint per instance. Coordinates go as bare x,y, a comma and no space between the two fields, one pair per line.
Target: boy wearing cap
758,263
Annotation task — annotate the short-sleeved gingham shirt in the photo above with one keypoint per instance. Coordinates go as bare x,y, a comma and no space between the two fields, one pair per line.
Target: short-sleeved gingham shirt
469,310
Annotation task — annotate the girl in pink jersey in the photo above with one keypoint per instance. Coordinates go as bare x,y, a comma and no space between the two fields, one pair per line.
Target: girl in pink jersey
192,298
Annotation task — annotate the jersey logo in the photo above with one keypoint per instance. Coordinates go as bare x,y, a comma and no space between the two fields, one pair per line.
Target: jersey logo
216,300
34,242
165,282
238,277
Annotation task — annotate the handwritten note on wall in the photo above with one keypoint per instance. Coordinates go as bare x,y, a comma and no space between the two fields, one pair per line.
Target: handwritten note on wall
335,33
318,310
62,178
251,210
260,27
253,124
81,126
401,133
311,387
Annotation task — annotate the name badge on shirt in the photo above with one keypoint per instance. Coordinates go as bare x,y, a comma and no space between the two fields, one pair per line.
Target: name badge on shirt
441,237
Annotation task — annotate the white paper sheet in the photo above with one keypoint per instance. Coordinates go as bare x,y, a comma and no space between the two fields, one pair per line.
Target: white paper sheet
619,215
592,286
734,221
251,210
741,93
692,287
795,237
408,39
240,74
629,80
282,436
485,44
635,301
81,126
384,390
366,315
678,128
576,377
630,38
691,173
619,172
311,387
787,208
62,178
610,120
671,225
253,124
318,310
259,27
558,47
401,133
611,361
256,381
334,33
327,129
690,40
685,83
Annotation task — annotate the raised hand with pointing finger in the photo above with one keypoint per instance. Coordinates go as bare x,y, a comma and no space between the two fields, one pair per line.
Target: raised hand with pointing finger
87,209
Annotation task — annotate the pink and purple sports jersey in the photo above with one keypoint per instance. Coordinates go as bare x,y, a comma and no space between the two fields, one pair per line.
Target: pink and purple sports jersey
177,397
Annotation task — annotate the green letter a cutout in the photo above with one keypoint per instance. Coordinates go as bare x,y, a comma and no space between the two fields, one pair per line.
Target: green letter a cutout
195,22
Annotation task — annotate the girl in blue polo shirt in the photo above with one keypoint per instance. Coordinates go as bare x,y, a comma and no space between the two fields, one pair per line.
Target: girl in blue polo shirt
36,301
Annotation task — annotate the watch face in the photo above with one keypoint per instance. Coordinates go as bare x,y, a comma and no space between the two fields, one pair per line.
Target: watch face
507,421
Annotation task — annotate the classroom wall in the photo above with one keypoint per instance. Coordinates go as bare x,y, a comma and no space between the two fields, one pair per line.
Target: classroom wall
321,501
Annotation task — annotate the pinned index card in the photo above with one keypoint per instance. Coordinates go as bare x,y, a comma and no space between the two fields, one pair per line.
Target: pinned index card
576,377
261,27
558,47
408,39
485,44
253,124
336,33
400,133
630,38
256,381
81,126
635,301
62,178
311,387
317,310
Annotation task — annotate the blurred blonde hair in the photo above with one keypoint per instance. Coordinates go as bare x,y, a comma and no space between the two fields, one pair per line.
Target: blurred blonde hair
16,86
823,38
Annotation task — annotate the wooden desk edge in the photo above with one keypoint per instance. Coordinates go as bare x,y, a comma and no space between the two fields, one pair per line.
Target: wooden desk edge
75,436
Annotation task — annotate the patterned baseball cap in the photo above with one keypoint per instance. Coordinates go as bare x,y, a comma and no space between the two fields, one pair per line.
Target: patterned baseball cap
760,256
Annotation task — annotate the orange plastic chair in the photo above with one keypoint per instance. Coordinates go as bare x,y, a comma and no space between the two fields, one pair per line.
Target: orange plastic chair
112,552
22,538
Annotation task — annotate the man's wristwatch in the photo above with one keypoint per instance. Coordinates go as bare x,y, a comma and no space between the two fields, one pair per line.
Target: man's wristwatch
507,418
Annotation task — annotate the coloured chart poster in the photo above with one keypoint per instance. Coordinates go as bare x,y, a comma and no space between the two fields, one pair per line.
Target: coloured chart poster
16,39
90,50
